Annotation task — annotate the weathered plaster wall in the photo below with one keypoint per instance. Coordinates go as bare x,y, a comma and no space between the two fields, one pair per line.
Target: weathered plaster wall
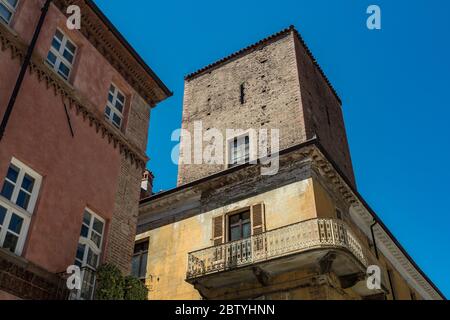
170,244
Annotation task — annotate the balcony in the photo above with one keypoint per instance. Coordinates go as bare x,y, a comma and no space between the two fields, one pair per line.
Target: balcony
280,250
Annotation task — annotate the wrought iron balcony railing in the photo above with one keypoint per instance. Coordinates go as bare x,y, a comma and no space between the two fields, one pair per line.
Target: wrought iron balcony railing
292,239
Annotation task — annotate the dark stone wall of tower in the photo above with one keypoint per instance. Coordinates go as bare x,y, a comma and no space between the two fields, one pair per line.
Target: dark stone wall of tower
283,90
323,112
272,99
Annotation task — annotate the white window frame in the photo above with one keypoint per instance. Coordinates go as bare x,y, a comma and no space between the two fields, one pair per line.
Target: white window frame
59,54
252,149
10,8
12,208
89,245
112,106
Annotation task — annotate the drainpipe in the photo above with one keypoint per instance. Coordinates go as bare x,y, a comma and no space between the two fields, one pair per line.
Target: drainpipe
23,70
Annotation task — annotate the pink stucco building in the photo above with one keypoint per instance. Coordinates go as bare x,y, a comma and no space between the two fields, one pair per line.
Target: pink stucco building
73,148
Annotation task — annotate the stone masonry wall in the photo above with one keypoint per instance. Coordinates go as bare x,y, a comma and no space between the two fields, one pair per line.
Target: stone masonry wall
323,112
284,89
138,122
272,99
122,227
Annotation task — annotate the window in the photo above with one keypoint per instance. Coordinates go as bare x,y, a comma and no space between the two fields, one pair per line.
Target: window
17,201
239,226
239,151
61,55
89,252
139,261
7,9
242,94
115,106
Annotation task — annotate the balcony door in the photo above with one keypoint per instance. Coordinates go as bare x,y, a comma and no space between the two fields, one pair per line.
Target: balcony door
239,226
239,250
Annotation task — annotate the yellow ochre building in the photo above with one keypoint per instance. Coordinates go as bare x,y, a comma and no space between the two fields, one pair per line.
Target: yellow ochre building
305,233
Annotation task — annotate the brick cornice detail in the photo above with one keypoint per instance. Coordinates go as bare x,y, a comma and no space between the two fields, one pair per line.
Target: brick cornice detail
74,100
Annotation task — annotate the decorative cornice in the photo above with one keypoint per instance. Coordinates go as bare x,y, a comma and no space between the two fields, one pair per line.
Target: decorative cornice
391,248
68,94
321,165
100,32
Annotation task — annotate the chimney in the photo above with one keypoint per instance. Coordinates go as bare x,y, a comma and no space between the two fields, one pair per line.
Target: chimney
147,184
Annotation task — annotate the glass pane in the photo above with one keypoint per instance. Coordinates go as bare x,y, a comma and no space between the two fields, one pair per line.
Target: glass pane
80,252
116,120
71,47
110,97
121,98
28,183
51,58
11,241
5,14
59,35
96,239
235,219
98,226
68,56
15,225
7,190
92,259
112,89
13,173
13,3
84,231
140,247
64,70
108,112
56,44
87,286
87,218
135,262
246,230
23,200
246,216
2,215
235,233
143,271
119,106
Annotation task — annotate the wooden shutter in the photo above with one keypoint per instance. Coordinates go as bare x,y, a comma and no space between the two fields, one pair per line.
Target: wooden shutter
218,230
258,223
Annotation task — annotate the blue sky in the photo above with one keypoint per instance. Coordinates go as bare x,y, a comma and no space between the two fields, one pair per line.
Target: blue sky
394,84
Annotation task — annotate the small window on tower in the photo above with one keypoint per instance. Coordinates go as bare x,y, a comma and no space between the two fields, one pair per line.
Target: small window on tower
242,93
239,151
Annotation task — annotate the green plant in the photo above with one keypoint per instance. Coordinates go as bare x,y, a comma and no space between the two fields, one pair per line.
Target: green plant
110,283
135,289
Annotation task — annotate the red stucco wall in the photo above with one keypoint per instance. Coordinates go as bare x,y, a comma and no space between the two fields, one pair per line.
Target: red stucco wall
77,172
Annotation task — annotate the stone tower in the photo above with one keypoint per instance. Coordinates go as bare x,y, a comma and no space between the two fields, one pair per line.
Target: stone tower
273,84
